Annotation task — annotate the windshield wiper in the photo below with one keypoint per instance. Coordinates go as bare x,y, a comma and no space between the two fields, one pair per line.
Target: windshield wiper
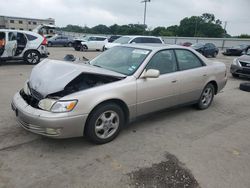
97,66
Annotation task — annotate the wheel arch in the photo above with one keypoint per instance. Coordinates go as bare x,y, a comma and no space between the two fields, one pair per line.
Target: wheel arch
214,83
119,102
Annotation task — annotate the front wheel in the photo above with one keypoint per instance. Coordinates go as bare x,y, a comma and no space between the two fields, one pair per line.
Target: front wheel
215,54
70,44
32,57
207,97
104,123
83,48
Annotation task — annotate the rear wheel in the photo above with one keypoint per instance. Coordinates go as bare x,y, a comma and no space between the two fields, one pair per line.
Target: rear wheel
104,123
32,57
207,97
49,44
70,44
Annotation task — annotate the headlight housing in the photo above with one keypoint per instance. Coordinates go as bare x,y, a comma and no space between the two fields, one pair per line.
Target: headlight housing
236,62
26,88
57,106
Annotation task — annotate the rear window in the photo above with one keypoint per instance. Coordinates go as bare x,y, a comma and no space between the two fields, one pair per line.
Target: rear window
31,37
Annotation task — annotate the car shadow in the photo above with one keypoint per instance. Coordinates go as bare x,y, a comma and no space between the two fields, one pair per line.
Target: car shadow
136,125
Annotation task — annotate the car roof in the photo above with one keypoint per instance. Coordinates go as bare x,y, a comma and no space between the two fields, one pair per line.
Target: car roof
155,46
20,31
134,36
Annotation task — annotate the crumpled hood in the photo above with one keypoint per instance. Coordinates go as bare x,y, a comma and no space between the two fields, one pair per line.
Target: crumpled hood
244,58
51,76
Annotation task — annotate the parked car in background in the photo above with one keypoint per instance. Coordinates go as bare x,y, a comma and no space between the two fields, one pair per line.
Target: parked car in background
134,39
97,99
22,45
241,65
60,40
90,43
113,38
208,49
236,50
187,44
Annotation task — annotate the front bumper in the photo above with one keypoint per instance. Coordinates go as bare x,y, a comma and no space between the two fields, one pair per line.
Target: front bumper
234,69
55,125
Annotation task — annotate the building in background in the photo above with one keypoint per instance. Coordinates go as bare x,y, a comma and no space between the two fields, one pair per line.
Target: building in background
19,23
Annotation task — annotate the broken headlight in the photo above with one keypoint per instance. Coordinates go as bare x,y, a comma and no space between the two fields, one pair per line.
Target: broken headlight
64,106
26,88
46,104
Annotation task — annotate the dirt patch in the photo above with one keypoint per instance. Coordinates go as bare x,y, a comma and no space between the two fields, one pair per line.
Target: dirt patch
168,173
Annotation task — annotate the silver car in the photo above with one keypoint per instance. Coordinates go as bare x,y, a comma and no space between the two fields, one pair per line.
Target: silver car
241,65
97,99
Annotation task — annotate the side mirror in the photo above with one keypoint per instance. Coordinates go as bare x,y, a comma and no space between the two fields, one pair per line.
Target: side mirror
151,73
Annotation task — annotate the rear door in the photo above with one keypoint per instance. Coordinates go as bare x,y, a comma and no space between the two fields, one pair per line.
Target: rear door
192,76
92,43
100,42
11,44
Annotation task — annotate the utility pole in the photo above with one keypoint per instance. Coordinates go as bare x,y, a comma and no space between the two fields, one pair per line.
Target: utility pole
225,27
145,11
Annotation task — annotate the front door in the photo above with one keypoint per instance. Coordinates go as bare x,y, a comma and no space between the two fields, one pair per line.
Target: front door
158,93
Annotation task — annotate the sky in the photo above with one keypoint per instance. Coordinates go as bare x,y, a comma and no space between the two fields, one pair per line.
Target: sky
159,12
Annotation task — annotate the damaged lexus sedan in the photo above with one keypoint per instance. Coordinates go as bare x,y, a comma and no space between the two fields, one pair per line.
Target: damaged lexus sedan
98,98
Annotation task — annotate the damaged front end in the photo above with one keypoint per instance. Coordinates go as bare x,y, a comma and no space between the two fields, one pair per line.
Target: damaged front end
44,89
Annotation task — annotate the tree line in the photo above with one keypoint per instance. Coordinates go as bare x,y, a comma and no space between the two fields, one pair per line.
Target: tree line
205,25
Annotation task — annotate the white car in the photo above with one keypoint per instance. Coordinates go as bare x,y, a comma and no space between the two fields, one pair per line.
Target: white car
90,43
22,45
134,40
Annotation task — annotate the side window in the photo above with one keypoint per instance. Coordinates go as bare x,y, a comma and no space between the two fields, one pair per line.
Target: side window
164,61
207,46
21,39
137,40
151,40
92,38
11,36
187,60
30,37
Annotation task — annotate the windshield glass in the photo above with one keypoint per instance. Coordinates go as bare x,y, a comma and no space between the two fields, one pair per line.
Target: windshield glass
197,45
124,60
248,52
122,40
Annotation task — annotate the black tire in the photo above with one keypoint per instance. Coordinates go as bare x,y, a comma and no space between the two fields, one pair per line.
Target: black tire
83,48
245,86
70,44
95,118
49,44
32,57
235,75
204,102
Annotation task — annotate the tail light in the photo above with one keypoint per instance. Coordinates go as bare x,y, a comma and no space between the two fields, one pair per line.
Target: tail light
45,42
